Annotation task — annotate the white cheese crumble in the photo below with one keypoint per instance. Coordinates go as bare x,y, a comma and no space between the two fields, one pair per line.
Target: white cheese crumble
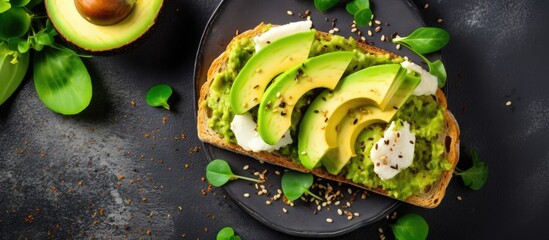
428,84
277,32
244,129
394,152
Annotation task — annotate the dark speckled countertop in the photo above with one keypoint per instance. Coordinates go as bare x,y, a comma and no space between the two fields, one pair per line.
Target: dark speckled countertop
122,169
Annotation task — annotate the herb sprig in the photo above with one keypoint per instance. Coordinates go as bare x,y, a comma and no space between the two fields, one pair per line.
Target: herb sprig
425,40
474,177
61,79
410,227
158,95
295,184
227,233
360,9
218,173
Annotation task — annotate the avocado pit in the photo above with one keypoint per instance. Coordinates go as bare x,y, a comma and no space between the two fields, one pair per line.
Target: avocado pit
104,12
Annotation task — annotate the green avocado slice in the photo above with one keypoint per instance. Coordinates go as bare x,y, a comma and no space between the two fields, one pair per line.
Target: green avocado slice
280,55
318,128
275,111
359,118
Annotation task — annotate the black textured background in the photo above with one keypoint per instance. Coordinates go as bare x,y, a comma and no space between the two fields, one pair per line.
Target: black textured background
121,171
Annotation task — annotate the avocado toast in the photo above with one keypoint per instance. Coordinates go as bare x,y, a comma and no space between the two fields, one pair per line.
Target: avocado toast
438,142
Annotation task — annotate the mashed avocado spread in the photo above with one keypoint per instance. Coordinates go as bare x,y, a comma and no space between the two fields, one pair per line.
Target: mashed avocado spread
423,113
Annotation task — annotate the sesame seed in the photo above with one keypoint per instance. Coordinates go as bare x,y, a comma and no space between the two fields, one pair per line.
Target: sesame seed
370,33
278,94
349,217
339,211
329,220
337,203
336,29
277,172
290,13
377,22
350,191
459,198
383,38
331,31
439,20
508,103
363,39
246,195
246,167
380,230
377,29
398,46
356,214
284,210
268,202
318,207
426,6
348,204
354,29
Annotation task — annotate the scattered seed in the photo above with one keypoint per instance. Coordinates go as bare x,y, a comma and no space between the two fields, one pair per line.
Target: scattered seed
426,6
339,211
508,103
329,220
383,38
380,230
459,198
268,202
290,13
398,46
246,167
377,29
356,214
284,210
331,31
246,195
336,29
439,20
354,29
370,33
377,22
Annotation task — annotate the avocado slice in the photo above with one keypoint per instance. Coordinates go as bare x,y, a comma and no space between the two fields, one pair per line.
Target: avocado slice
318,128
94,38
356,120
280,55
274,116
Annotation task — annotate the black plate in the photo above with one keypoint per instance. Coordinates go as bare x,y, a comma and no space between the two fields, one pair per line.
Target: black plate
302,219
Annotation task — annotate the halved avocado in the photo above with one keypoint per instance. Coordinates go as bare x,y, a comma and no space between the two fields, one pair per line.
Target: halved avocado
280,55
318,128
356,120
275,111
94,38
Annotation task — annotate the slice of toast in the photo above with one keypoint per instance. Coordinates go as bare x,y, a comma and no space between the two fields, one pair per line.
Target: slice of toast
429,199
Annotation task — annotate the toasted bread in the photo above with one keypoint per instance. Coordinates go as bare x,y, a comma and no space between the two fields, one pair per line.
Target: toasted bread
429,199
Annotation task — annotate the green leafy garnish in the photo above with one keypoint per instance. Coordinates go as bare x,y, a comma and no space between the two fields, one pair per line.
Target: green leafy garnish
227,233
13,66
476,176
294,184
158,96
62,80
361,11
426,40
324,5
218,172
15,22
410,227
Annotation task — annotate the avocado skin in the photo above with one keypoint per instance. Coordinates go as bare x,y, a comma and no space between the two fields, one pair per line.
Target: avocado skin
113,51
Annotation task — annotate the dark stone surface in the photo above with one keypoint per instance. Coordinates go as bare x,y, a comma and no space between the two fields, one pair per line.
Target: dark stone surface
118,170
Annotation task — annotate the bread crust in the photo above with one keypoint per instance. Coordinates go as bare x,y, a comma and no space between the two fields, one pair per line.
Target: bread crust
429,199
